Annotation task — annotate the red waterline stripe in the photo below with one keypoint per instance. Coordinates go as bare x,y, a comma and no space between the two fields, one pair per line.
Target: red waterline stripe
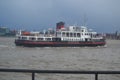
26,42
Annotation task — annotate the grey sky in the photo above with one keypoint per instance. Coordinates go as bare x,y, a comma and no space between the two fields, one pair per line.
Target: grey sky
101,15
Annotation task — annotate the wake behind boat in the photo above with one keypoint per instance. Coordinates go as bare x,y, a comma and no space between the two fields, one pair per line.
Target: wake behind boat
71,36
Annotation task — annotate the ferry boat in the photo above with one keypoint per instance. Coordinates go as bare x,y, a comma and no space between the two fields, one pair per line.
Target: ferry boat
71,36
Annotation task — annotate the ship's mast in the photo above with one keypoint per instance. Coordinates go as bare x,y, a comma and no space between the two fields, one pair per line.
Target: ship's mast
84,20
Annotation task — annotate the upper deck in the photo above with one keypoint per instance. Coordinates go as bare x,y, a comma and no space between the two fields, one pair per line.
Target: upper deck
71,33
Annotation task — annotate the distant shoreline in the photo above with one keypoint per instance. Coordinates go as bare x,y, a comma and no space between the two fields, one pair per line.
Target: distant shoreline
8,36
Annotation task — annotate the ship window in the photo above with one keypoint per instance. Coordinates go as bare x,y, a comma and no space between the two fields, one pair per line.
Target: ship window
58,39
41,39
67,34
86,33
73,39
48,39
74,34
82,30
54,39
78,34
24,38
63,34
71,35
32,38
58,32
19,37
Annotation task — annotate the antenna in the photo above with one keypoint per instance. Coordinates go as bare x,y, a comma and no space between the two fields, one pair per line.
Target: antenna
84,20
75,24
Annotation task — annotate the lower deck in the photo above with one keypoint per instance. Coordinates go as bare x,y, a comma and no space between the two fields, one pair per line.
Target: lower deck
29,43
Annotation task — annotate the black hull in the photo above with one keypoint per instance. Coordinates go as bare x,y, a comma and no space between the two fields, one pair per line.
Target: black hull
58,44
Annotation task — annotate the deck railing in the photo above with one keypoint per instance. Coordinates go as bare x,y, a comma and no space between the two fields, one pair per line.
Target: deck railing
58,72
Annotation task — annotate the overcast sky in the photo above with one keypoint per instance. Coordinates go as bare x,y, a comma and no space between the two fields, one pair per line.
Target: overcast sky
100,15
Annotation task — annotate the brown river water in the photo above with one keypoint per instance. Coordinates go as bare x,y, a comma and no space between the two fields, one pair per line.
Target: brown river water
63,58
